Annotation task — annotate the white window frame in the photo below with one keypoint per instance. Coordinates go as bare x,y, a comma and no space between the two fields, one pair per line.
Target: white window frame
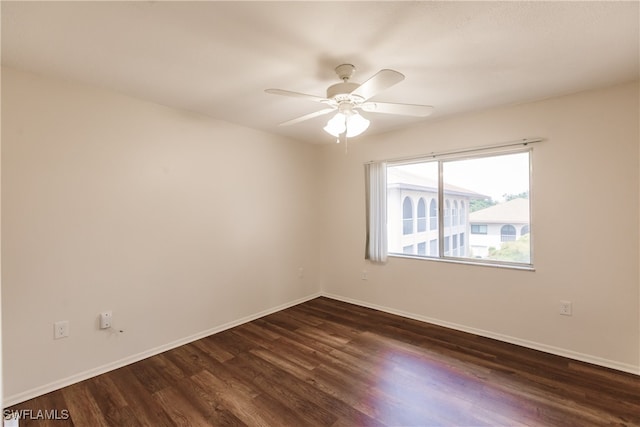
442,257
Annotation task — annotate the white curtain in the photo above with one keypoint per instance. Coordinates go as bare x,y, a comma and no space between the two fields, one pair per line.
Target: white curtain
376,199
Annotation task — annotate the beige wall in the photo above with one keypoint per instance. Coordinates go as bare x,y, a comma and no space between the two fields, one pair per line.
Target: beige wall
184,225
178,223
585,230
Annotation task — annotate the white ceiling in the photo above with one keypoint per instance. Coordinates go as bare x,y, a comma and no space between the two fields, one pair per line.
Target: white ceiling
218,57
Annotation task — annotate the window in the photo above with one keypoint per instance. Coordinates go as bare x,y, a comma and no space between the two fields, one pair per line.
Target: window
447,213
422,216
478,228
433,215
454,213
407,216
485,212
507,233
433,247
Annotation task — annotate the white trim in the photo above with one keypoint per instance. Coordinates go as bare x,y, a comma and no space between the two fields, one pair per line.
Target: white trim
47,388
607,363
55,385
467,261
489,149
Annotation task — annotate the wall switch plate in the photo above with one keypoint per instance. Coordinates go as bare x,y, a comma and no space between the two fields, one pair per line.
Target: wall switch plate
566,308
60,329
105,319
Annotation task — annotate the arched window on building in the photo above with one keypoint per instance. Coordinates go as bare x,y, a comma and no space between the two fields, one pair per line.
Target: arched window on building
524,230
463,214
422,216
454,213
433,215
447,213
507,233
407,216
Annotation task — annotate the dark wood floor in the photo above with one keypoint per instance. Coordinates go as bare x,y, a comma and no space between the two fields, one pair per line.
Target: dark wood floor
328,363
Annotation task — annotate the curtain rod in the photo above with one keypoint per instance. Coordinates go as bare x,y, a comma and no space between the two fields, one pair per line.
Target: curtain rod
433,154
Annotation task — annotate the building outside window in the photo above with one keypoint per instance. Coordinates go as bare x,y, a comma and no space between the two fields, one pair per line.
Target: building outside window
422,215
433,215
499,224
507,233
479,228
407,216
485,201
406,190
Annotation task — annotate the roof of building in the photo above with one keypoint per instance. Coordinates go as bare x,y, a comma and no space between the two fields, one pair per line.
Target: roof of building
513,211
411,181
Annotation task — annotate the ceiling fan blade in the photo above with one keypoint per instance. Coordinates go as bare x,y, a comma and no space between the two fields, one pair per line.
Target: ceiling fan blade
307,117
295,95
382,80
400,109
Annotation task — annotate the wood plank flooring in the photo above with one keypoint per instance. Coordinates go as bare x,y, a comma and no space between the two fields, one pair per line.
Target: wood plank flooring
329,363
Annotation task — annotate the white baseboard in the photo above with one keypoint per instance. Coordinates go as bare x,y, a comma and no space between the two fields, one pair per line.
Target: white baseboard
56,385
500,337
47,388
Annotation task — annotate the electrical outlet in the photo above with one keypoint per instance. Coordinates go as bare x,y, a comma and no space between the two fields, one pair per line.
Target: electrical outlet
60,329
300,273
105,320
566,308
364,275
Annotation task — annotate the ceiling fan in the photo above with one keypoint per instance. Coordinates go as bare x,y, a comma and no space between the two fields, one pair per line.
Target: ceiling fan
348,97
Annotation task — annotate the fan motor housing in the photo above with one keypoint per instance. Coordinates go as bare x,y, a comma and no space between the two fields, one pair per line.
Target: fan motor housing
341,91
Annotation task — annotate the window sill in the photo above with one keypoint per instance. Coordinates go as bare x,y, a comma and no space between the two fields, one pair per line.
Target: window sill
523,267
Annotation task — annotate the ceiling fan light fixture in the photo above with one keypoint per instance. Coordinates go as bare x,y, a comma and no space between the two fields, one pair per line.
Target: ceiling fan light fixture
336,125
352,124
356,124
